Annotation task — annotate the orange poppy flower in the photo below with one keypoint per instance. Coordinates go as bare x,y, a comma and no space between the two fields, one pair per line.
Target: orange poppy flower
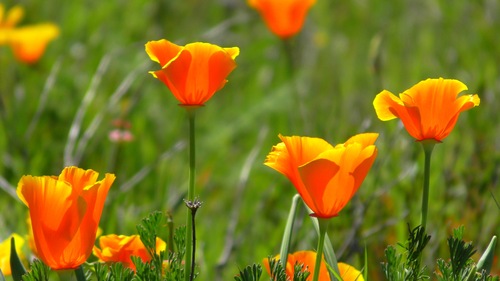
284,18
428,110
326,177
308,259
5,252
120,248
27,42
65,212
193,73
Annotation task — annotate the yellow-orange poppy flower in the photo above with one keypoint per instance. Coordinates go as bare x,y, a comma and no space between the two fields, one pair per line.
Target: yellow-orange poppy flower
65,212
194,72
326,177
349,273
27,42
429,110
308,259
5,252
120,248
284,18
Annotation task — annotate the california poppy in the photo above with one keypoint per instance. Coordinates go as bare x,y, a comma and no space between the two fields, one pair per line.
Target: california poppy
193,73
284,18
308,259
65,212
326,177
5,249
120,248
428,110
27,42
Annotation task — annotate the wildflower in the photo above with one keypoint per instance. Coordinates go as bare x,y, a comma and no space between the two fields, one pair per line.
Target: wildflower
429,110
121,133
5,252
349,273
307,260
65,212
120,248
27,42
193,73
326,177
284,18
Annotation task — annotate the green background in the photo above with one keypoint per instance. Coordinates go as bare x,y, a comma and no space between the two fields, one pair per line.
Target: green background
347,52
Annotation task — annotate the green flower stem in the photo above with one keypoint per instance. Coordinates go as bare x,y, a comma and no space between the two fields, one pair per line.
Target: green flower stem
189,223
323,226
80,276
428,146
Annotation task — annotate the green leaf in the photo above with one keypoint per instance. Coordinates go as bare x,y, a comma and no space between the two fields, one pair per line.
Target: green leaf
486,260
39,272
16,265
287,235
249,273
2,278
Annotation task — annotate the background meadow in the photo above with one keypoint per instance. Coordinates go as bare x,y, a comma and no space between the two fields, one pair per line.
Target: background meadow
61,110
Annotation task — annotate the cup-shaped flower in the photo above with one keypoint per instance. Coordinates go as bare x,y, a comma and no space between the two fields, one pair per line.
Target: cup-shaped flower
284,18
120,248
194,72
65,212
27,42
429,110
325,176
5,247
308,259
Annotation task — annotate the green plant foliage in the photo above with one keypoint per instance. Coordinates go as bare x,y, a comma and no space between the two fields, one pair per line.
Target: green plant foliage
113,272
406,266
16,265
38,272
250,273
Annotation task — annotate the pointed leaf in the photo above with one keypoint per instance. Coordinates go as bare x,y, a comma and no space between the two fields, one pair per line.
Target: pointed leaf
486,260
16,265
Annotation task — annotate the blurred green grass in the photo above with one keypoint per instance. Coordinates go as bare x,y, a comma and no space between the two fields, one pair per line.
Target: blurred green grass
347,53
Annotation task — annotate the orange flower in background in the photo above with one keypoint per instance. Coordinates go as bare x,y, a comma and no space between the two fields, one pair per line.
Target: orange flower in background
5,252
27,42
308,259
284,18
120,248
326,177
428,110
65,212
193,73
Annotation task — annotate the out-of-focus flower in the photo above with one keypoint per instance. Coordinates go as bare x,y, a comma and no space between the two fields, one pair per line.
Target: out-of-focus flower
27,42
429,110
5,252
349,273
120,248
326,177
193,73
284,18
121,133
65,212
308,259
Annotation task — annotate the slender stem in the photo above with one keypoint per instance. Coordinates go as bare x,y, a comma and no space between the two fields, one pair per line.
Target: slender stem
428,145
80,276
191,277
189,260
323,226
